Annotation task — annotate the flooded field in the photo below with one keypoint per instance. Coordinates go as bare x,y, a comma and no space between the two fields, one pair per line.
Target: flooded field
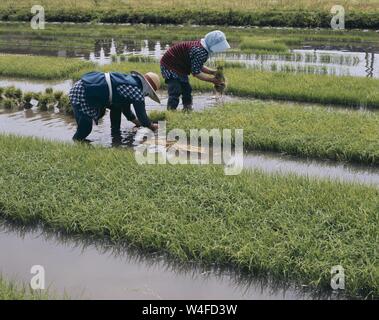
94,270
360,59
53,126
86,268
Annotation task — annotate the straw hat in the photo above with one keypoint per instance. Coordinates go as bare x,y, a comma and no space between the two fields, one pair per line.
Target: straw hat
151,83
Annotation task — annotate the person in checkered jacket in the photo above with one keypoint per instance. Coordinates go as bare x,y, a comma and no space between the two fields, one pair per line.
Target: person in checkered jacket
96,91
187,58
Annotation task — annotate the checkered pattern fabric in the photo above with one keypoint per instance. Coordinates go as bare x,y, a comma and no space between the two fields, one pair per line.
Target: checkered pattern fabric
169,74
77,98
131,93
198,57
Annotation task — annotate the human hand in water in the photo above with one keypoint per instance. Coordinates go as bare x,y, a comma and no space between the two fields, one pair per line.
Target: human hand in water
154,127
136,122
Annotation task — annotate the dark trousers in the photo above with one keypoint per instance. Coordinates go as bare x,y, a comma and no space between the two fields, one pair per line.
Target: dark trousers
115,116
84,123
177,88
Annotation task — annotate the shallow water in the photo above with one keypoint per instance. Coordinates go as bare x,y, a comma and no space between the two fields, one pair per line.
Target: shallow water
53,126
27,85
100,271
351,58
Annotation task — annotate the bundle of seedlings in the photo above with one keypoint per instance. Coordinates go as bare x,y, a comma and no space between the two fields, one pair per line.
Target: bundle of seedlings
27,100
220,88
46,101
12,98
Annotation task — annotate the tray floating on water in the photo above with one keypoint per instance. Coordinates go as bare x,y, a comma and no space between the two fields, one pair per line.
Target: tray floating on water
174,145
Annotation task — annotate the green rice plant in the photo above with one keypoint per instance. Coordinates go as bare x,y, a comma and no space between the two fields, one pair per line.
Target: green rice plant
46,102
36,95
290,228
58,95
49,91
141,59
156,116
251,44
9,290
346,91
305,131
28,96
304,13
40,67
8,104
12,93
64,106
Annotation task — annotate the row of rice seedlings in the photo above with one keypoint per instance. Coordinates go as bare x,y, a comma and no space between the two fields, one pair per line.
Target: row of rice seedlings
339,59
293,68
132,58
250,44
214,63
12,98
347,91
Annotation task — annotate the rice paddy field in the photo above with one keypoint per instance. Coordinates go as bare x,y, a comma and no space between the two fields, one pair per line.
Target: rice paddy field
307,99
304,13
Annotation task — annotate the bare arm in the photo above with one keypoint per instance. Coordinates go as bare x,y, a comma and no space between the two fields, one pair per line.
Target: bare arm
208,70
204,77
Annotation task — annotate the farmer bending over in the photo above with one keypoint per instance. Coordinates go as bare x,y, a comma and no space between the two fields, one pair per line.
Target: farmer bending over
96,91
188,57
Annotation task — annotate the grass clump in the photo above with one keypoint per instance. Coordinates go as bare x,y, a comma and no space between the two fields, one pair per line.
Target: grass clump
40,67
310,131
11,291
288,227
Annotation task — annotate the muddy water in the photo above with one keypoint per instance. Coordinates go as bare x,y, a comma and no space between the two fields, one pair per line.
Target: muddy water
57,127
36,86
100,271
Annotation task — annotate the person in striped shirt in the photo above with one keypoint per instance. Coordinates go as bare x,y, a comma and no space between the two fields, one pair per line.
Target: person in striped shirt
187,58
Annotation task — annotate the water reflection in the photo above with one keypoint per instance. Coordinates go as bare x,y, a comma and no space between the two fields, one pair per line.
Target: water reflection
100,269
354,60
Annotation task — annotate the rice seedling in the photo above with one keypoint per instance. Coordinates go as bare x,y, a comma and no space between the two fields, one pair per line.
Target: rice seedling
141,59
305,131
47,101
262,223
27,98
8,104
250,44
244,82
220,88
305,13
40,67
12,93
156,116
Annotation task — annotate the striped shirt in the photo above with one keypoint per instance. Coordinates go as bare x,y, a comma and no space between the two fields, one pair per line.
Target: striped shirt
183,59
